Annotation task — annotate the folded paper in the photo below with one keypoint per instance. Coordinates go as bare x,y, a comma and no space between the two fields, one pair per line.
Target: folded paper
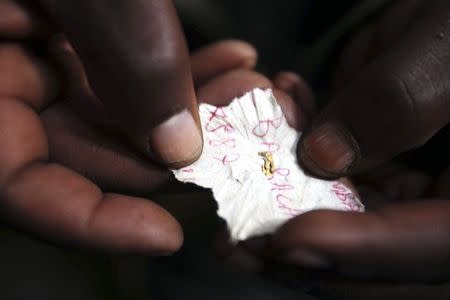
249,161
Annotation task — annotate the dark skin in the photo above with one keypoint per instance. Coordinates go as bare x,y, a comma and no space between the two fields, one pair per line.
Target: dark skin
32,185
144,41
392,94
50,199
62,148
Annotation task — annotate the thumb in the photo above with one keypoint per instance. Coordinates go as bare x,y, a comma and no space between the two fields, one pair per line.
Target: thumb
137,63
396,104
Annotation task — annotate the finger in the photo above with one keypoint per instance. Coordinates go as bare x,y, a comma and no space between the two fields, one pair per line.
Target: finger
221,90
75,144
18,21
396,182
137,63
294,113
406,242
398,103
220,57
56,203
299,90
296,87
27,77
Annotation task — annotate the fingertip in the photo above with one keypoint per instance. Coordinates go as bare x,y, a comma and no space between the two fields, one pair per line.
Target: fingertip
296,87
166,239
128,224
328,151
293,113
168,235
244,54
247,53
221,57
287,82
235,83
177,142
171,237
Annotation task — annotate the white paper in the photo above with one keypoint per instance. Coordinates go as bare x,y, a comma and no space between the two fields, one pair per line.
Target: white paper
252,203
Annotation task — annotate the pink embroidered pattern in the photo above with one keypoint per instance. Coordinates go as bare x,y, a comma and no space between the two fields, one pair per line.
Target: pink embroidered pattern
189,171
348,199
218,120
262,129
281,186
283,203
271,146
229,142
228,159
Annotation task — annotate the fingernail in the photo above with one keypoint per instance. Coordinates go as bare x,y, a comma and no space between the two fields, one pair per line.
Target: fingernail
328,151
306,259
177,142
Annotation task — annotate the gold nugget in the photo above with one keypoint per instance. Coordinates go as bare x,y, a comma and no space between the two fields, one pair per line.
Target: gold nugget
268,168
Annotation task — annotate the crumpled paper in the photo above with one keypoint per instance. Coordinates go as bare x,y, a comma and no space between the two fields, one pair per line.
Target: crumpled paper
249,161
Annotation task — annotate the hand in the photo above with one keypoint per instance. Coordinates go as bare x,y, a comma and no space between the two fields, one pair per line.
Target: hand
138,65
392,94
136,59
277,255
383,185
59,148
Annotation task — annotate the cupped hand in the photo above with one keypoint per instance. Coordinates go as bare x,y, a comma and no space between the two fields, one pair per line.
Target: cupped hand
392,94
61,147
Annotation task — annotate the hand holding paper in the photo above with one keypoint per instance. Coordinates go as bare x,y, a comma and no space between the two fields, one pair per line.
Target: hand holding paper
249,161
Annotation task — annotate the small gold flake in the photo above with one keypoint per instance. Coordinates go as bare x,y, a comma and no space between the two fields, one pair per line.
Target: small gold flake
268,168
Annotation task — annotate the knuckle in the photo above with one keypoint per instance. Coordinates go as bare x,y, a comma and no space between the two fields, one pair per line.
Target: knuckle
418,95
19,126
402,96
